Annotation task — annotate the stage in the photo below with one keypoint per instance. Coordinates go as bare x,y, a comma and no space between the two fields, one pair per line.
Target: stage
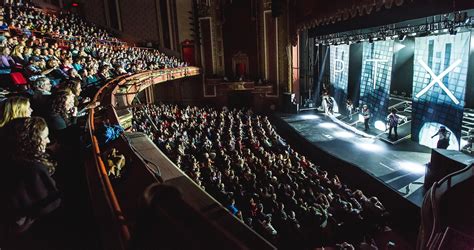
399,167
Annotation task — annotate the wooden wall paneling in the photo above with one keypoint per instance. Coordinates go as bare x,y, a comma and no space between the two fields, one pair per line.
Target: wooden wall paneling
207,54
270,30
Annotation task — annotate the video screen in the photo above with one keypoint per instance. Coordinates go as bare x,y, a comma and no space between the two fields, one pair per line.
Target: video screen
439,85
377,58
339,77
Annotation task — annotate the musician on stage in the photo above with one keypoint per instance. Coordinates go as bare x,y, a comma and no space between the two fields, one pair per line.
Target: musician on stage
328,104
443,140
349,107
366,115
392,122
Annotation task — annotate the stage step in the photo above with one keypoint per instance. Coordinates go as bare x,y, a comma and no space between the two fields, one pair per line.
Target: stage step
467,121
466,128
469,110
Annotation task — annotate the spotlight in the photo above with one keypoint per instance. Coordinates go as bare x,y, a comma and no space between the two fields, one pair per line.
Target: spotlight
309,117
328,125
344,134
425,33
380,125
452,31
412,167
371,147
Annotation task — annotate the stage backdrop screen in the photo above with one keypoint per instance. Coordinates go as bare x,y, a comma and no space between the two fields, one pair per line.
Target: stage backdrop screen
377,58
439,85
339,67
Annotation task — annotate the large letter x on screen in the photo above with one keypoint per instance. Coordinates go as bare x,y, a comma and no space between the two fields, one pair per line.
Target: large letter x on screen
437,79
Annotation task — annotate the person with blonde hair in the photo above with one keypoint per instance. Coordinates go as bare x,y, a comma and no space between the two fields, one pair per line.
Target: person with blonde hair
15,107
17,54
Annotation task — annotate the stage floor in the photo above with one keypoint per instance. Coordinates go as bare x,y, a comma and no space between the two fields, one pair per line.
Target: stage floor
400,167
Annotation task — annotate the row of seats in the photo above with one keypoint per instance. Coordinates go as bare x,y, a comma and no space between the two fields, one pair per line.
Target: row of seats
50,66
239,159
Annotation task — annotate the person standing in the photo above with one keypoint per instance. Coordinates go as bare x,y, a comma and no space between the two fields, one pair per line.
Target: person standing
327,103
349,107
366,115
443,137
392,121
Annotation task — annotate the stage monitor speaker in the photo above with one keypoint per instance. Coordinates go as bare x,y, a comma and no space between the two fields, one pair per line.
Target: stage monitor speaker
444,162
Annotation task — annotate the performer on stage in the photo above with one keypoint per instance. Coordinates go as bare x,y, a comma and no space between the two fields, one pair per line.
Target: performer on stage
470,141
366,115
392,122
349,107
443,140
328,104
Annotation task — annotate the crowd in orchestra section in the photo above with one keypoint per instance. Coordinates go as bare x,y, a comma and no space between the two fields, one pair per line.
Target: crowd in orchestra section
52,63
239,158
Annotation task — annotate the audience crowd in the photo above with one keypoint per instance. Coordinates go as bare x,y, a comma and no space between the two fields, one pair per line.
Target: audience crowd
50,65
238,158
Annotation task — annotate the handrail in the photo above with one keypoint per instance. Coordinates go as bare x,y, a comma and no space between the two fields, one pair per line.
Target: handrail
125,232
99,164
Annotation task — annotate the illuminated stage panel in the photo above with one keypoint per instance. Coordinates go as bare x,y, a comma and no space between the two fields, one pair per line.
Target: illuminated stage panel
339,77
439,85
376,75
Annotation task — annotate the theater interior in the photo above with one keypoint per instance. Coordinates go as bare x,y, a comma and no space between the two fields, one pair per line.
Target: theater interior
237,124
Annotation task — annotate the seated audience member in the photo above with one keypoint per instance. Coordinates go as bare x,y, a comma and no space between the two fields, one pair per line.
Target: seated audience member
6,62
79,101
27,191
15,107
238,158
17,55
40,100
56,75
61,115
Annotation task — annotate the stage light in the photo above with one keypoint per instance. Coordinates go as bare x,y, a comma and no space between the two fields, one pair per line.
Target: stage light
412,167
371,147
344,134
380,125
327,125
452,31
425,33
398,47
309,117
